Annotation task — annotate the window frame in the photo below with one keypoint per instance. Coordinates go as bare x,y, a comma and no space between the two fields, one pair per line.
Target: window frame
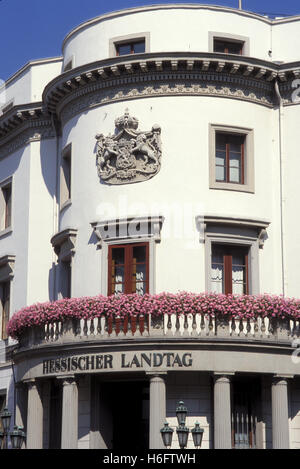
128,39
248,158
227,159
3,394
4,225
246,232
227,37
227,263
128,248
131,44
119,231
228,42
5,299
65,194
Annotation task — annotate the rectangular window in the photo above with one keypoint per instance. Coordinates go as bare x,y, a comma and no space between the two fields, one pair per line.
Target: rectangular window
134,47
229,269
5,205
2,406
65,182
230,158
128,269
228,47
4,308
65,279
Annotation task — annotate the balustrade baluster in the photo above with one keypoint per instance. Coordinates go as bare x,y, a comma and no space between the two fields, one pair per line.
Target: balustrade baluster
103,325
190,319
267,322
125,325
141,324
166,323
109,325
85,328
92,327
181,319
117,325
133,324
47,334
233,327
174,325
51,331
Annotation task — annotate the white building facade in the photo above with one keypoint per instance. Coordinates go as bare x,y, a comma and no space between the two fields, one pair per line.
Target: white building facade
164,137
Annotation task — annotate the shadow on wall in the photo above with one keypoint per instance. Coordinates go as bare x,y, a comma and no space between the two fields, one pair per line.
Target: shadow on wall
48,155
53,272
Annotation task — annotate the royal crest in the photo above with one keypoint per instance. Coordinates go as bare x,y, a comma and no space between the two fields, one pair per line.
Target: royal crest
129,155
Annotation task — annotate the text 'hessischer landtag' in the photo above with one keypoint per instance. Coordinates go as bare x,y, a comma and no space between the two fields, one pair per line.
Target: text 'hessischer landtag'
123,361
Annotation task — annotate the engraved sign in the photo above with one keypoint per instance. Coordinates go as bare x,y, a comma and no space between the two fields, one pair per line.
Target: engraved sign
118,362
129,155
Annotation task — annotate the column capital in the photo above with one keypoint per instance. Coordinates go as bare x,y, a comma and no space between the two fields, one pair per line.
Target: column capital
282,377
156,374
223,373
20,385
67,380
31,383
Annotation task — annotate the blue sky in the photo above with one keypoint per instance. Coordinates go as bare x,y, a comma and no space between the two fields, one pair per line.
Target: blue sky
33,29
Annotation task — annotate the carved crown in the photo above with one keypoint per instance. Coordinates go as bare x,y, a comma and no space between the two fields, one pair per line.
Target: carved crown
126,121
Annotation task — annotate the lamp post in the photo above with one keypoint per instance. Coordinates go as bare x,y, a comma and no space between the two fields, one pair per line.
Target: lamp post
5,419
17,436
182,431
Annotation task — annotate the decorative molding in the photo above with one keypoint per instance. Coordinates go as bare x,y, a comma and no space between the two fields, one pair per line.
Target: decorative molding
22,125
142,75
129,228
64,243
202,222
7,264
128,156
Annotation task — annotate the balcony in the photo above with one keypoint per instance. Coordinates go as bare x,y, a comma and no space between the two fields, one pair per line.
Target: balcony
166,317
168,327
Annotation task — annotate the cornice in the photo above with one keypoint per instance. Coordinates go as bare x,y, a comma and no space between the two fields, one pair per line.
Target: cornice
141,76
64,243
24,124
173,6
125,228
163,74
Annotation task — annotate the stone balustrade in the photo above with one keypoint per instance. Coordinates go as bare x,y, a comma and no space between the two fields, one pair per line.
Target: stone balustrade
166,326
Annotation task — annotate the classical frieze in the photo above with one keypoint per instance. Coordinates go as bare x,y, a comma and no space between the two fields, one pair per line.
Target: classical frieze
161,74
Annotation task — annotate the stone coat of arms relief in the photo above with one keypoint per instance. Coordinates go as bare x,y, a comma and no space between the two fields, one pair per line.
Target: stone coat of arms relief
129,155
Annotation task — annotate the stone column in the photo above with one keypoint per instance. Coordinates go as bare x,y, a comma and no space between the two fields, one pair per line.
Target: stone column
222,412
34,431
157,410
69,430
280,414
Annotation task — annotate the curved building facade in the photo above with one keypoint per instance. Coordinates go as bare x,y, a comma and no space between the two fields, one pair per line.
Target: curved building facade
158,154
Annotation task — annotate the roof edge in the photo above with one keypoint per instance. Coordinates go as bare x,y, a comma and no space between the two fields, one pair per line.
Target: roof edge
170,6
30,64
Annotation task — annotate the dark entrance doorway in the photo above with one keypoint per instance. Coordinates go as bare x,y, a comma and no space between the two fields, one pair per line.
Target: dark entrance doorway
130,414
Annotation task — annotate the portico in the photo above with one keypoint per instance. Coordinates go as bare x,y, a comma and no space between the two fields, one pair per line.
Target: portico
87,387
